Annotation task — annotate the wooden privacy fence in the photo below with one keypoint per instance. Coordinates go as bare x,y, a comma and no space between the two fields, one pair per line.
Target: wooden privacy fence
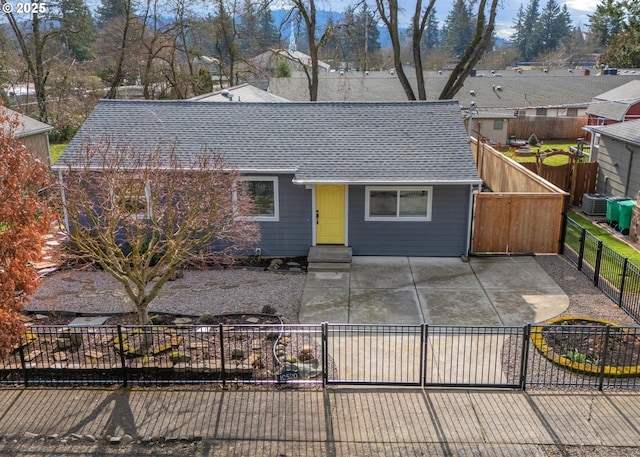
520,214
548,128
582,182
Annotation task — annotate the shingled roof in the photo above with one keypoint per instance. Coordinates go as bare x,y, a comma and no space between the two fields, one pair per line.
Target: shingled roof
402,142
509,90
614,104
628,131
27,125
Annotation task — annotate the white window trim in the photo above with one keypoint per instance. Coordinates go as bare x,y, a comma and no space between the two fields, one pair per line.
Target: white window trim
147,196
398,218
276,199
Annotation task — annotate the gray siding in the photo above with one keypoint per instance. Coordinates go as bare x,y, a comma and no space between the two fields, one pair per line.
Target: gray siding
619,169
444,236
291,235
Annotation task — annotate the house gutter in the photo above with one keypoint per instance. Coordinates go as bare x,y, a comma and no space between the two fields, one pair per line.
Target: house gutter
461,182
472,190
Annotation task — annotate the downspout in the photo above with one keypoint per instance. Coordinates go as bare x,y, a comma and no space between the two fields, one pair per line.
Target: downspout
626,184
470,217
64,201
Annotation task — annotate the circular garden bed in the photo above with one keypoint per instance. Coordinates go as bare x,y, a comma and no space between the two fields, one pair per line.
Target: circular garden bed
587,348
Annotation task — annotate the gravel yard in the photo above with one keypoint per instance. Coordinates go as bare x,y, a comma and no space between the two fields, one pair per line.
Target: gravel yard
214,292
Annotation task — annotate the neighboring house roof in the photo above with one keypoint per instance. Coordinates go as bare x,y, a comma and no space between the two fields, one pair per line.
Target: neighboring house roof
528,89
628,131
242,93
27,125
615,103
401,142
269,58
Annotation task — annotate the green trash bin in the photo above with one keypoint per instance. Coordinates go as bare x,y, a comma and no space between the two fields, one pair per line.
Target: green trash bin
613,210
624,220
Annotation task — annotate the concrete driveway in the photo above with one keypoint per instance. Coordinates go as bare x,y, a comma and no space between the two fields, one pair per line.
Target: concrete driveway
408,290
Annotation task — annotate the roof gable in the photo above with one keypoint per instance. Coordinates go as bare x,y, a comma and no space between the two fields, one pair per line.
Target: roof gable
413,142
628,131
28,126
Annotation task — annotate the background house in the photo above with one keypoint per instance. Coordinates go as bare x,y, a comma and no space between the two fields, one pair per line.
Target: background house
241,93
383,178
616,105
551,104
33,134
616,148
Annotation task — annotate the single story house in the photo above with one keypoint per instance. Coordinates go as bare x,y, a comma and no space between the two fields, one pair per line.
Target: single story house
616,148
33,134
392,178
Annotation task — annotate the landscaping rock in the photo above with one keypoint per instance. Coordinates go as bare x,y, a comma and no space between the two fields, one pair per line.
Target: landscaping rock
179,357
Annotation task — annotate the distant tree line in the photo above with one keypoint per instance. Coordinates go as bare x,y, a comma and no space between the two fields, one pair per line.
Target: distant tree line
70,55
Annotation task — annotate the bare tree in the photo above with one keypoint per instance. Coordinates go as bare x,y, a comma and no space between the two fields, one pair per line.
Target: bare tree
306,9
477,47
388,10
32,45
144,215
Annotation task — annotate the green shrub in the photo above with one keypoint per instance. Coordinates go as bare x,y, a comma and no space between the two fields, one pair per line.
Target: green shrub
533,140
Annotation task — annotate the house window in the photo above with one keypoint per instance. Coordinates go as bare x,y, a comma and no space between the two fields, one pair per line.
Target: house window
541,112
521,113
398,203
264,193
572,112
498,124
132,198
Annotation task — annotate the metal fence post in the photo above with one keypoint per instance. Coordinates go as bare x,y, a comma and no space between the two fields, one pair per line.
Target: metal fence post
424,332
223,372
324,329
603,358
596,272
125,377
622,280
524,356
583,235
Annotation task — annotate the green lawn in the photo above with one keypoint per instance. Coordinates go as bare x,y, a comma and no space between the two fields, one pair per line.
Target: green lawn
553,161
607,238
56,151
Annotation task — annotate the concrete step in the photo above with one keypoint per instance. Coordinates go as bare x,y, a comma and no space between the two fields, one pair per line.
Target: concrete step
329,254
328,266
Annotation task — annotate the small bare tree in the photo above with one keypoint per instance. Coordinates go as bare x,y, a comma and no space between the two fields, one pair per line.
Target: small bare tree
143,215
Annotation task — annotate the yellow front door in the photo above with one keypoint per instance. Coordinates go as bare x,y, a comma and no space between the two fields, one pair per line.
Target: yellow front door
329,214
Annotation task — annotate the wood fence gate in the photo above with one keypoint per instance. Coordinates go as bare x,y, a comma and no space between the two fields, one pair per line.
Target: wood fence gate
585,175
517,223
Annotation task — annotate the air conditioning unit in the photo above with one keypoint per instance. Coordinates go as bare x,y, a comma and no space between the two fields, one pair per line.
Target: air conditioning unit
594,204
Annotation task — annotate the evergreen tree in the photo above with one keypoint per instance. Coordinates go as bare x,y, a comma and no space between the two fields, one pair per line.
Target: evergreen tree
77,28
523,37
110,9
552,27
459,26
606,22
364,39
256,29
432,37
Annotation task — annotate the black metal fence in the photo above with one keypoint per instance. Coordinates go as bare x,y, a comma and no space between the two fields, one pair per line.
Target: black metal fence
587,356
613,274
